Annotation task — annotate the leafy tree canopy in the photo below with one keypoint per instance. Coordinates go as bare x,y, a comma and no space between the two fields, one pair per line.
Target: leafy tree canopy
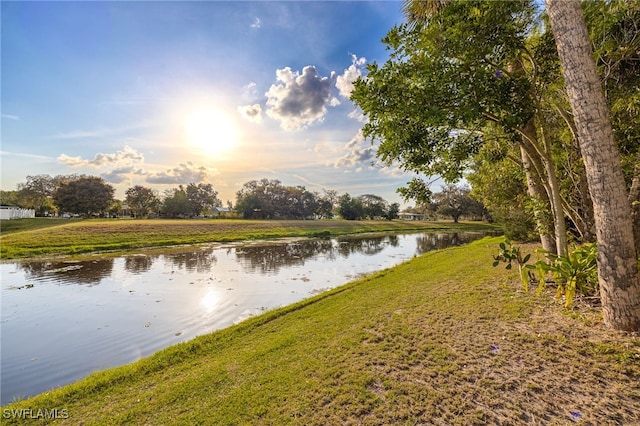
202,197
83,195
142,200
176,203
444,81
350,208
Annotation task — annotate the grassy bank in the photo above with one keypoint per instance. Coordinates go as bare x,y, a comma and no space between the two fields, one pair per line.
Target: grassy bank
442,339
41,237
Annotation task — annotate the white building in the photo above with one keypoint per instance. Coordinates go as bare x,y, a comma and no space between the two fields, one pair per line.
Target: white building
411,216
12,212
221,211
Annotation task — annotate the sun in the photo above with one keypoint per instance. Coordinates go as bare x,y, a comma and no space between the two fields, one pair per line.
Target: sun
211,131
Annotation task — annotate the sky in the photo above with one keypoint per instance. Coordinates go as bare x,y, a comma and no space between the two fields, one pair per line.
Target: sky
163,93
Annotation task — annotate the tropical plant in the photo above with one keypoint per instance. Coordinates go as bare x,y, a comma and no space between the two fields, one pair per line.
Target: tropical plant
574,274
511,254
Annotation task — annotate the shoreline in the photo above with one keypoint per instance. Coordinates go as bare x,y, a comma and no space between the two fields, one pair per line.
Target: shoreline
114,236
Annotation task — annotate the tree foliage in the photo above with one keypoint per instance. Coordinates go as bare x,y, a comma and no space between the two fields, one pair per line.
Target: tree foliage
350,208
37,192
455,201
270,199
500,185
190,201
176,203
428,103
202,197
142,200
83,195
470,79
456,82
373,206
326,204
11,198
418,190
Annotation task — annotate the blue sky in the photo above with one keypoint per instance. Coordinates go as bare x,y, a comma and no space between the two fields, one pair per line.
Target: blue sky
166,93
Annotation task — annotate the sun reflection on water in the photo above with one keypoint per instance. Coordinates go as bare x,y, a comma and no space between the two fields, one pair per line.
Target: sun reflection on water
210,300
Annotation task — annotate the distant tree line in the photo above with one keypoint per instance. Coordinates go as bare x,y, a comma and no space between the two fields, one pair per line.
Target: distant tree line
75,194
91,196
269,199
258,199
367,206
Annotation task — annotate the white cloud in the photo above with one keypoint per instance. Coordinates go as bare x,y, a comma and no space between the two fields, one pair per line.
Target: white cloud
102,132
11,117
249,91
23,155
307,182
393,171
251,112
357,152
325,147
257,23
183,174
344,82
300,99
72,161
358,115
80,134
120,174
127,156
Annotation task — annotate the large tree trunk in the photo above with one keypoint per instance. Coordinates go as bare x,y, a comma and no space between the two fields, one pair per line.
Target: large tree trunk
617,262
634,200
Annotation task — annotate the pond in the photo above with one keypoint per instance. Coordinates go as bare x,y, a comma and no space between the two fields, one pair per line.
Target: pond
63,320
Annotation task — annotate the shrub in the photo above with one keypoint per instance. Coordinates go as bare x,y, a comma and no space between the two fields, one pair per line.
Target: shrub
574,274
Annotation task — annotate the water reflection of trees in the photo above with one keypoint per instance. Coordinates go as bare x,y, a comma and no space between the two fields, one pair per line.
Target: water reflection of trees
90,272
198,261
429,242
368,246
264,259
269,258
138,264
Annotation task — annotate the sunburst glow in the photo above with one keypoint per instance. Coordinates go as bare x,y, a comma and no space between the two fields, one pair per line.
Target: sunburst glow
211,131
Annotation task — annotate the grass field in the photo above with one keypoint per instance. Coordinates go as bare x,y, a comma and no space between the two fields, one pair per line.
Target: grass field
45,237
443,339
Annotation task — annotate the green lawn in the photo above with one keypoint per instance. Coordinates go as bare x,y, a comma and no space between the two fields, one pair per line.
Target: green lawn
442,339
18,225
45,237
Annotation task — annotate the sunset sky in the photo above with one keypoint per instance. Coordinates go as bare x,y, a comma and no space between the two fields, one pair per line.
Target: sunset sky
166,93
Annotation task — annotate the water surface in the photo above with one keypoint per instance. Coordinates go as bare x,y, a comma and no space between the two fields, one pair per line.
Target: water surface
63,320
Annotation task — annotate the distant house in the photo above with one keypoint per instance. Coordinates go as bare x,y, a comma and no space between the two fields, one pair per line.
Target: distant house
222,211
13,212
411,216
